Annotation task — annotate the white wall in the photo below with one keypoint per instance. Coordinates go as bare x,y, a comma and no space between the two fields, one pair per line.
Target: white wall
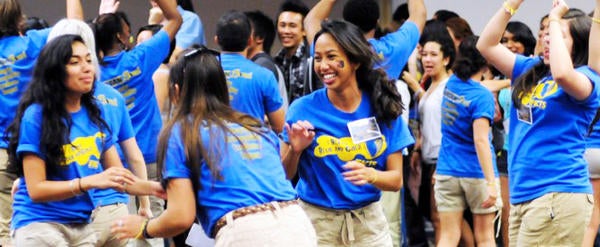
478,12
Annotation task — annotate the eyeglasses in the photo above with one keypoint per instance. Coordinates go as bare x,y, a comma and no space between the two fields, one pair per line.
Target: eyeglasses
202,49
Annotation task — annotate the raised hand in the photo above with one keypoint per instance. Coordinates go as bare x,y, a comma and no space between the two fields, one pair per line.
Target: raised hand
559,9
108,6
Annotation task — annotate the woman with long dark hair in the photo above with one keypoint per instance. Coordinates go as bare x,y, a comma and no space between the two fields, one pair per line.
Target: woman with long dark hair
349,150
466,174
220,166
57,142
18,52
555,98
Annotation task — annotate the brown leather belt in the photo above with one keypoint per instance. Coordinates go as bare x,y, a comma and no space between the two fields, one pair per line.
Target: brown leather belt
241,212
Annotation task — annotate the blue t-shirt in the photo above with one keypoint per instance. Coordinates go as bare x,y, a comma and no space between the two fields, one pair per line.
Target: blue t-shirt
395,48
82,158
547,142
249,177
252,89
320,167
131,74
463,103
191,31
17,59
114,112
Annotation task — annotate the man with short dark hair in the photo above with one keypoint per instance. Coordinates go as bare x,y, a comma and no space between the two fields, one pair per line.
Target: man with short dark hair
293,58
261,40
252,88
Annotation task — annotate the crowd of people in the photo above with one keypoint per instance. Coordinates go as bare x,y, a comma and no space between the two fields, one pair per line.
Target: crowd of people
352,134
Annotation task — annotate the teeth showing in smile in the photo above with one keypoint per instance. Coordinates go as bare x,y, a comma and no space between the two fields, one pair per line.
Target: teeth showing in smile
328,76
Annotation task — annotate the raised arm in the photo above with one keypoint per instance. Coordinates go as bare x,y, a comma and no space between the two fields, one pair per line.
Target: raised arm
74,9
564,74
594,56
417,13
489,42
169,9
319,13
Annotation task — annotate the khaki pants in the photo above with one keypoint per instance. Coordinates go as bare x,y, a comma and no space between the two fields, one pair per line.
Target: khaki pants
365,226
554,219
392,206
157,206
54,234
287,226
6,181
103,217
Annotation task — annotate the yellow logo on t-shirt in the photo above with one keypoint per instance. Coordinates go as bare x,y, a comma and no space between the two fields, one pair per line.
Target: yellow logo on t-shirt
535,98
81,151
347,150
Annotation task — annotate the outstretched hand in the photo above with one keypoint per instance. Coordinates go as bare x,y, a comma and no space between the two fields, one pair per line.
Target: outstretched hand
300,135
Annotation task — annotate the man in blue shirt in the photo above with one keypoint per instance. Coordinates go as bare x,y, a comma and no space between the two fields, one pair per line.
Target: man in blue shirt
394,48
252,89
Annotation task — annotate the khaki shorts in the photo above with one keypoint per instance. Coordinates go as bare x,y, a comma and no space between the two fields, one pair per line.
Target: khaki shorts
365,226
554,219
54,234
103,217
455,194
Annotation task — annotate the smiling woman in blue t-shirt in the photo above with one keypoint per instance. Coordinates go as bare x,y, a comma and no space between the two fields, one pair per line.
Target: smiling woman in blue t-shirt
57,141
555,97
349,149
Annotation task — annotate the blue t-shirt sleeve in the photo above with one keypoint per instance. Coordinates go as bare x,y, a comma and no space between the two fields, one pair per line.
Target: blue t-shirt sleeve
395,48
30,132
483,106
522,65
271,97
152,52
593,99
400,136
190,32
38,37
175,158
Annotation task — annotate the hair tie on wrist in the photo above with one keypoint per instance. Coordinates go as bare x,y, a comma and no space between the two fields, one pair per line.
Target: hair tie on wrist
509,9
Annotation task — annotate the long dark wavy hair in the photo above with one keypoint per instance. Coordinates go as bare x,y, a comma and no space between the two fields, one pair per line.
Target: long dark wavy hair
47,89
202,101
579,28
385,99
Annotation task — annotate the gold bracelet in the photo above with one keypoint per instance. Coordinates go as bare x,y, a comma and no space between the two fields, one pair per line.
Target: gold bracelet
509,9
595,20
141,232
374,176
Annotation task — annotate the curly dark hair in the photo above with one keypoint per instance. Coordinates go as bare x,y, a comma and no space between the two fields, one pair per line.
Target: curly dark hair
48,90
